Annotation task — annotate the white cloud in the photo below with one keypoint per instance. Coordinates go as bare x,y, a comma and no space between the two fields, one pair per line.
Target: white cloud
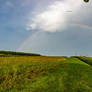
33,26
55,17
60,43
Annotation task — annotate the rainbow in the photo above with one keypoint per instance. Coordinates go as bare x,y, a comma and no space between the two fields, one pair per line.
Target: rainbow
82,25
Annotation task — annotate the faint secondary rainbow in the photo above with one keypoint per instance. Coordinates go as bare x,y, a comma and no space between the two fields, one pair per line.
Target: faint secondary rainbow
81,25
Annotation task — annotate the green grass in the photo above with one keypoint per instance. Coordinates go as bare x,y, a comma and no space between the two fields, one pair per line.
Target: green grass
12,53
85,59
44,74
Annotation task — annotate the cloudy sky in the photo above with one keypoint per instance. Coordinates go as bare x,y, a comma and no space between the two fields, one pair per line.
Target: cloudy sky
49,27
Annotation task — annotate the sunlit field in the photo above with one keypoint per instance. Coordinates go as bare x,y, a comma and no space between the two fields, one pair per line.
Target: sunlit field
44,74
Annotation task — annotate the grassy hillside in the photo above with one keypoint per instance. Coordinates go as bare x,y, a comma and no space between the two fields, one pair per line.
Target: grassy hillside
12,53
44,74
85,59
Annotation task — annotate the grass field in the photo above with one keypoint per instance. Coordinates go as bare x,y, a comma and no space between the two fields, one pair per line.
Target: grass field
44,74
85,59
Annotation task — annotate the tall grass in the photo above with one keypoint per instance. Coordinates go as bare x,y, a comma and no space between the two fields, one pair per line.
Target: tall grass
44,74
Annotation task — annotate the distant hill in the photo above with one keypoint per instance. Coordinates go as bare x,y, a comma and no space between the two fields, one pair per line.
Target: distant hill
12,53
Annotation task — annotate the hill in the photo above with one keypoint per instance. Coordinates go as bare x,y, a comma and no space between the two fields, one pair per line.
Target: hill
12,53
85,59
44,74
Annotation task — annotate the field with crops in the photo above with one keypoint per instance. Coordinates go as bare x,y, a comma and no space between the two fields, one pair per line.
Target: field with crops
44,74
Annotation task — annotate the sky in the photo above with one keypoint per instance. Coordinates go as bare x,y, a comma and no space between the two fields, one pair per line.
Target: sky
48,27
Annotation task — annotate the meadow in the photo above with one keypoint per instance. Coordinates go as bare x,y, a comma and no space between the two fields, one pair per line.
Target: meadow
85,59
44,74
